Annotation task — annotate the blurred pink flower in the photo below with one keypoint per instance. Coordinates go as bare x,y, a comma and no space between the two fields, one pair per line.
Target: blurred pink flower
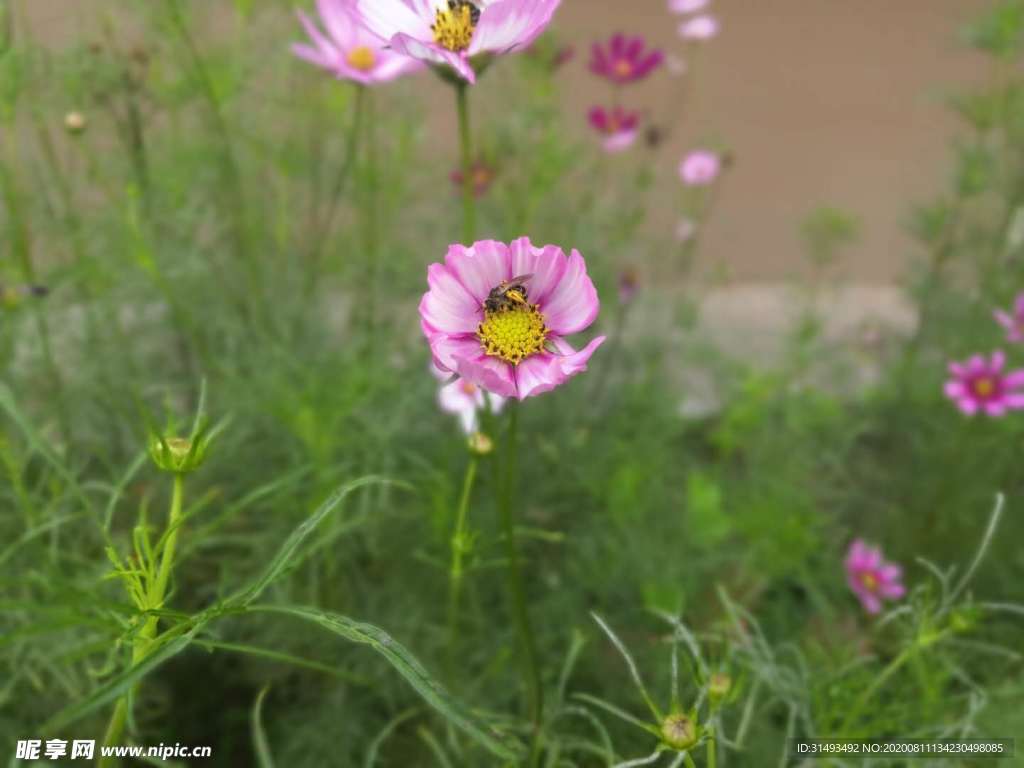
482,175
451,32
1013,322
981,385
516,346
465,399
348,50
687,6
619,127
700,167
624,59
629,283
871,578
702,27
685,230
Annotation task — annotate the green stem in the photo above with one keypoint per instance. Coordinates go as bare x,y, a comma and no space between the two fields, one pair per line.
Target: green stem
517,593
371,217
460,546
712,751
466,147
348,162
143,643
871,690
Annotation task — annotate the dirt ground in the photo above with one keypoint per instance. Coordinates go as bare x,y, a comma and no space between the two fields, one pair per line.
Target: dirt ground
821,101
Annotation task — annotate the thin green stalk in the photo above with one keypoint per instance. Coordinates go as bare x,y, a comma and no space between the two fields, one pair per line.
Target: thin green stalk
876,685
347,164
466,147
460,546
143,642
371,219
712,751
517,593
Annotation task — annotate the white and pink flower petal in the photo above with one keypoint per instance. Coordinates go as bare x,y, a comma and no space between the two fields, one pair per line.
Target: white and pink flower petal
573,304
481,267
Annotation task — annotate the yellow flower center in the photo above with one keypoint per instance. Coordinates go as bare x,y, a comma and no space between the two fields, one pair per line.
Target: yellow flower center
468,387
361,58
453,27
869,581
623,68
984,387
513,333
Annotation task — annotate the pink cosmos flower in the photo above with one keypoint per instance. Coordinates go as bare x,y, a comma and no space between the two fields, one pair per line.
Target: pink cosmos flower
1013,322
981,385
703,27
465,399
451,32
619,127
687,6
624,60
348,50
506,336
871,578
700,168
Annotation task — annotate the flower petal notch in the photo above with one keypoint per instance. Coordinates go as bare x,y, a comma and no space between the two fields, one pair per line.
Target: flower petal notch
498,316
450,33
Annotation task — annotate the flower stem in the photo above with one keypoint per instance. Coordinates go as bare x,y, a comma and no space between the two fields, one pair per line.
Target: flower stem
517,593
460,547
143,642
712,751
876,685
466,147
371,216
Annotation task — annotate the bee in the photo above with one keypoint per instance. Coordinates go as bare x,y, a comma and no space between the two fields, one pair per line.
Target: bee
508,294
474,10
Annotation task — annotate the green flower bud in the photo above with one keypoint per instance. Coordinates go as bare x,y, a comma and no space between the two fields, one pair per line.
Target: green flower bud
75,123
480,444
719,686
179,455
680,731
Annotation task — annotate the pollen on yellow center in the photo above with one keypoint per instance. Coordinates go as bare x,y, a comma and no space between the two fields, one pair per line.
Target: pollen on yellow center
361,58
453,27
869,581
513,333
984,387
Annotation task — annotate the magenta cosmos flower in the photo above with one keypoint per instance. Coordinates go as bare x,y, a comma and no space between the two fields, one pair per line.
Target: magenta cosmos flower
700,167
871,578
348,50
1013,321
624,59
703,27
507,335
451,32
481,176
618,127
465,400
981,385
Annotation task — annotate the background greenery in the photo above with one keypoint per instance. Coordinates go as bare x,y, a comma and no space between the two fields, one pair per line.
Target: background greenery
197,231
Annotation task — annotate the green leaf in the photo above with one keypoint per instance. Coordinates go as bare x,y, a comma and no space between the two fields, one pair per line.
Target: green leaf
260,744
408,667
290,548
120,684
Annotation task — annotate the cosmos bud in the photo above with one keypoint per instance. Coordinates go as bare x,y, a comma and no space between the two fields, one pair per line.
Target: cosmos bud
719,686
680,731
480,444
75,123
179,455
